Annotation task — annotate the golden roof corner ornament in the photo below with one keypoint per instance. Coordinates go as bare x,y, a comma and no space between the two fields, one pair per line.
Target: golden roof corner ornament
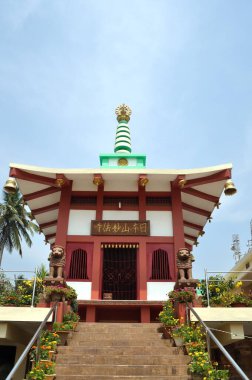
143,180
98,180
10,186
229,188
123,112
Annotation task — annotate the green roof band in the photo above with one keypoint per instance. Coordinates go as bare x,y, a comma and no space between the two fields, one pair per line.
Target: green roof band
123,131
124,148
122,135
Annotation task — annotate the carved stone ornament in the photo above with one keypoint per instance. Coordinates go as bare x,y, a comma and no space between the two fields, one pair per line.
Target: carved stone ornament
57,260
184,264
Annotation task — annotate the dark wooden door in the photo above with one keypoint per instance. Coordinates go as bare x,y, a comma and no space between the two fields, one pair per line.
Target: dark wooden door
119,273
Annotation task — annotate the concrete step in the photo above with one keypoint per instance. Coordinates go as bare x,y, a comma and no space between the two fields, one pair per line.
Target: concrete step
117,350
120,342
122,370
109,377
123,359
125,351
113,334
140,327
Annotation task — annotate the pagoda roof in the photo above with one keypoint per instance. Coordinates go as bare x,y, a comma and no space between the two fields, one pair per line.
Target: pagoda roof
200,193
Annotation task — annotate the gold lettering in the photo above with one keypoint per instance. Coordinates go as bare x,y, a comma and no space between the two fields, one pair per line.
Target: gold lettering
106,227
125,228
116,227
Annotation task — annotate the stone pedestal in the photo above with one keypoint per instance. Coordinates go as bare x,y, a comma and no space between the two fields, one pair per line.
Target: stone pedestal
192,283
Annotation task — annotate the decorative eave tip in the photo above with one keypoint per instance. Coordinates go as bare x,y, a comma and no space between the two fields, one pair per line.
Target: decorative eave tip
123,112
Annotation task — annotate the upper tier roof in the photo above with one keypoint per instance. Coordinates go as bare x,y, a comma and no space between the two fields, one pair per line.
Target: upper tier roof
200,194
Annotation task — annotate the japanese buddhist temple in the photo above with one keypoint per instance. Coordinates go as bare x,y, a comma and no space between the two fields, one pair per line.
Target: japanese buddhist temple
121,225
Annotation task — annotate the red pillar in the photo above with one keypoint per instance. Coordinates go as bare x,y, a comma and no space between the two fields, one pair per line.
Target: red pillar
142,271
99,204
90,314
63,216
96,271
145,314
60,311
177,220
142,203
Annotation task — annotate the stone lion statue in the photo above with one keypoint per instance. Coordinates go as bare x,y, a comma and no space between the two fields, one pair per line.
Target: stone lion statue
184,264
57,260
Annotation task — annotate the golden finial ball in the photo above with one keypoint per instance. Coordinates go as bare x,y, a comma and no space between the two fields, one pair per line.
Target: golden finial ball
123,112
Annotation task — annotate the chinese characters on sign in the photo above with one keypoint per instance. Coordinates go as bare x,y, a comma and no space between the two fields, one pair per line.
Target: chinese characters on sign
120,227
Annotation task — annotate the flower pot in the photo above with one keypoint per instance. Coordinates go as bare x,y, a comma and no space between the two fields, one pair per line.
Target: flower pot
54,297
179,342
195,376
50,377
238,304
63,337
167,332
50,355
75,324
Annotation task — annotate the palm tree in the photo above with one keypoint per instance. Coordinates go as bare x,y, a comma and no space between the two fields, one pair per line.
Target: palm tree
15,224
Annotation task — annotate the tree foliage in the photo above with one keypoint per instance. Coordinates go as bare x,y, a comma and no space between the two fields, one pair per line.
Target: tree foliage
15,224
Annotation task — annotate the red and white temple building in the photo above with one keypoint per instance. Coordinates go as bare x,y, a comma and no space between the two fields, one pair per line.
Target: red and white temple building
121,225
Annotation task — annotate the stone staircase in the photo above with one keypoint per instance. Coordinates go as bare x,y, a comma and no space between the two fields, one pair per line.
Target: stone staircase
132,351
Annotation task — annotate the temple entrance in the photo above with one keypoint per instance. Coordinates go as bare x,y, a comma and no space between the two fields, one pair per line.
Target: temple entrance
119,273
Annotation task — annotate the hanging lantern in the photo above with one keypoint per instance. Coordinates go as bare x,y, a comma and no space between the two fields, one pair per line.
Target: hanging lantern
229,188
10,186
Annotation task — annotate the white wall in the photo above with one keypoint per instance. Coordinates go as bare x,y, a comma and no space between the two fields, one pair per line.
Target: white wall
157,291
125,183
120,215
83,289
160,223
80,222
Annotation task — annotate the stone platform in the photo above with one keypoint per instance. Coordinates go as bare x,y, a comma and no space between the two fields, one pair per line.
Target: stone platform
119,310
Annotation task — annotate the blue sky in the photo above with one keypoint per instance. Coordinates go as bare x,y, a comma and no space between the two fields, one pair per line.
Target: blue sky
184,67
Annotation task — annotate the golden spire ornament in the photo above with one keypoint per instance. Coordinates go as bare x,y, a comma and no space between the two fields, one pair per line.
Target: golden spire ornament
123,112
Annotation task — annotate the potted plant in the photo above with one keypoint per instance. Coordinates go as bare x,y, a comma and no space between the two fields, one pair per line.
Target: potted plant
36,373
181,295
10,298
200,364
44,352
217,286
49,370
59,293
50,338
192,347
218,374
166,316
72,318
177,334
235,299
62,329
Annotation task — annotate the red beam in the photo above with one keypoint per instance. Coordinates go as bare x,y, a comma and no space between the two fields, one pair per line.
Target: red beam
41,210
195,210
192,225
221,176
48,224
200,194
189,246
21,174
50,236
190,237
41,193
59,182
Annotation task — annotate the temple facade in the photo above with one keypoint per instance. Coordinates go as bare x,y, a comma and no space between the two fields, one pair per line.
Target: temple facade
121,225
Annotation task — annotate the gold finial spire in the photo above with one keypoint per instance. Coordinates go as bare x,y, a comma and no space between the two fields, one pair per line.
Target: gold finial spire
123,112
